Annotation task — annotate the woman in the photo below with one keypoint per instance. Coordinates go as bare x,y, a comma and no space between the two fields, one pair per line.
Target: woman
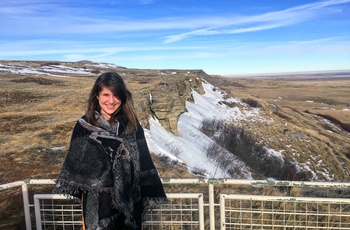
108,165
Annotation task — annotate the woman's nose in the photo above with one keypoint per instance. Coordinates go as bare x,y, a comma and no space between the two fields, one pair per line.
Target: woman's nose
111,99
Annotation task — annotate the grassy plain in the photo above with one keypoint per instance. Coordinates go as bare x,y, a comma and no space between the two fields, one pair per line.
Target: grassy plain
310,113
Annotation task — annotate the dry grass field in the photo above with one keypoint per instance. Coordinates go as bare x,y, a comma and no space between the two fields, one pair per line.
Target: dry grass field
36,119
38,112
310,113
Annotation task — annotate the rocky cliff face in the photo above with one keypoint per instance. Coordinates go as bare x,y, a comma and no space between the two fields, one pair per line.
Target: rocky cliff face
167,99
163,94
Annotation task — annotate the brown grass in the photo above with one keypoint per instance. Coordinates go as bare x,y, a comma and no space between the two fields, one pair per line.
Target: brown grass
293,104
38,113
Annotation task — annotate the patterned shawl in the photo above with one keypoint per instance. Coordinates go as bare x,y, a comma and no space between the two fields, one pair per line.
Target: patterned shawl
117,173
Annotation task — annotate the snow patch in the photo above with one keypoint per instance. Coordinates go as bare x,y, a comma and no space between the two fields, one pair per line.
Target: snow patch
191,146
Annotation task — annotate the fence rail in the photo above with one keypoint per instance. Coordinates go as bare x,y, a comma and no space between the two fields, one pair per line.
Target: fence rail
214,208
49,212
278,212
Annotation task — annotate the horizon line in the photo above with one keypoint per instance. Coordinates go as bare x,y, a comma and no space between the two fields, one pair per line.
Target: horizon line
287,73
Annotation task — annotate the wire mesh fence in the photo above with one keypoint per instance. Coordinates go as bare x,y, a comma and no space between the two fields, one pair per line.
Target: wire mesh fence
196,203
184,211
57,212
278,212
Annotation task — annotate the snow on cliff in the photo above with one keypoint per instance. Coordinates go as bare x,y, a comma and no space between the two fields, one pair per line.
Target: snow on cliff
191,145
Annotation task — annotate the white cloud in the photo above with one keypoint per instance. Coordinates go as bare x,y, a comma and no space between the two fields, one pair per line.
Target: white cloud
52,17
290,16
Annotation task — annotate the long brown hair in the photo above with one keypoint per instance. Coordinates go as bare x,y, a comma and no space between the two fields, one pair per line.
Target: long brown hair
115,83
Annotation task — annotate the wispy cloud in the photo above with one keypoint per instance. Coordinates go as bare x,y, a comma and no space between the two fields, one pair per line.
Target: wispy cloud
271,20
107,51
91,49
49,18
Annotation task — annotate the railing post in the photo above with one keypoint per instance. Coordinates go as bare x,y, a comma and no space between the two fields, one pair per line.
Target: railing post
26,206
201,212
222,212
211,207
37,211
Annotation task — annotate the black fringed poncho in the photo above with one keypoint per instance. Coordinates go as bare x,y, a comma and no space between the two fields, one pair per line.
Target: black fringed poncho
115,174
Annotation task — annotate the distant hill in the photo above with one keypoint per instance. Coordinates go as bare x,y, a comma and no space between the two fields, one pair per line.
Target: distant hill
306,75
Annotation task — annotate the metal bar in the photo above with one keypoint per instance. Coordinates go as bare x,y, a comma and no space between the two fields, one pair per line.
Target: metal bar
211,206
37,212
201,212
11,185
222,212
286,183
285,198
26,206
41,181
184,181
213,180
184,195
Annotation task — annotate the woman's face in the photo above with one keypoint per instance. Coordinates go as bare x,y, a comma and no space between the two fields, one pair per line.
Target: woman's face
108,102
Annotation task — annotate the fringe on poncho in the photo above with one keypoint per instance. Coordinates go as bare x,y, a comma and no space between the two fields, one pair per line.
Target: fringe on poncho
116,175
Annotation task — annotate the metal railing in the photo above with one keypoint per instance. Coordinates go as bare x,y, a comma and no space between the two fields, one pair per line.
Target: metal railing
215,207
57,210
61,212
279,212
183,209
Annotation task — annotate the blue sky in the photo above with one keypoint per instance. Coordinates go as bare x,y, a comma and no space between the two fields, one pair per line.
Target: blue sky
220,37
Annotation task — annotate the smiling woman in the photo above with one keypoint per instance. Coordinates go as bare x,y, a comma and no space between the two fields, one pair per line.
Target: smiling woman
108,165
108,102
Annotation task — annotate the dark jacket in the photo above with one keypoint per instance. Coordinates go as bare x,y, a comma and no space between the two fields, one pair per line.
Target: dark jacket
114,175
